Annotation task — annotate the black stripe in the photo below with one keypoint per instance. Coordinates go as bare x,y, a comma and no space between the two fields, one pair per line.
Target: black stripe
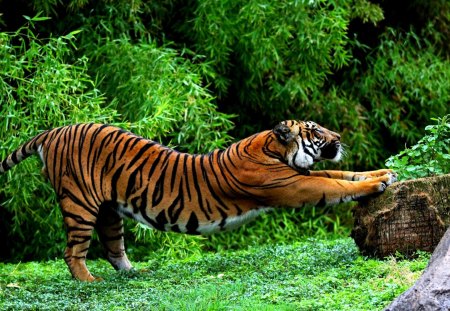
175,228
174,171
125,147
132,179
174,215
63,154
158,191
322,201
208,183
79,175
80,220
136,140
186,176
224,216
227,153
66,192
23,151
155,164
111,165
138,155
5,166
161,221
223,175
192,224
119,133
238,209
56,142
213,169
305,149
143,207
114,181
71,228
197,188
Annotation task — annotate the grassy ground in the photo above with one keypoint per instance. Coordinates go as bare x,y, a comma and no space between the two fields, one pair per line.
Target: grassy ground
309,275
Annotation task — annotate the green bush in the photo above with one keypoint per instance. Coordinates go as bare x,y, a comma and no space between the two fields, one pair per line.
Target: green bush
388,104
161,93
406,83
272,54
429,157
40,90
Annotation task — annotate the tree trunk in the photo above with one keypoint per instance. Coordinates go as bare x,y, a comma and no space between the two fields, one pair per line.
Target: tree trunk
409,216
432,291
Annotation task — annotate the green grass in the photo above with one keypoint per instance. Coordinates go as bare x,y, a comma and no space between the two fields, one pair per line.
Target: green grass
309,275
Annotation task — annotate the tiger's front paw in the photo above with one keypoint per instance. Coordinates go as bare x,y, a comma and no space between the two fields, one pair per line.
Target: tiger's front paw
379,173
386,180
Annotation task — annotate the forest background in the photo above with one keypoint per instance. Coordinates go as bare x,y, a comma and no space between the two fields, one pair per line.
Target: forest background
197,75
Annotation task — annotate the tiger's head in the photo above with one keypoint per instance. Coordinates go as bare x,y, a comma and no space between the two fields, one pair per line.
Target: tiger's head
307,142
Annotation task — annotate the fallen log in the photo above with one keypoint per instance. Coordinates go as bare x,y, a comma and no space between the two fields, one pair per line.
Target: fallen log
432,291
409,216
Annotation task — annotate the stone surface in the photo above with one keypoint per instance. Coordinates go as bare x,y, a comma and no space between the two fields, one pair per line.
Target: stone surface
432,291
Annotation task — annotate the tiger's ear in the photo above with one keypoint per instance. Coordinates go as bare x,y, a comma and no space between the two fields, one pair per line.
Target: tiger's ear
283,133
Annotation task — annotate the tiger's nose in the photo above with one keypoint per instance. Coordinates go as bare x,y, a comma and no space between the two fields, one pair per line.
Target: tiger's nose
336,135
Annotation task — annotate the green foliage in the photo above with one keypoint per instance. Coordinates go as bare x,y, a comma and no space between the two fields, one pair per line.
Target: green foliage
429,157
380,108
280,50
40,90
406,81
285,226
164,98
307,275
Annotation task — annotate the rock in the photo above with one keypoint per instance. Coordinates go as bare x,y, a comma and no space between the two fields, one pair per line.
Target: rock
432,291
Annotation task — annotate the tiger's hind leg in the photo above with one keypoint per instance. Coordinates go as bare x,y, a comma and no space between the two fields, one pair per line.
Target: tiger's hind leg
110,230
80,222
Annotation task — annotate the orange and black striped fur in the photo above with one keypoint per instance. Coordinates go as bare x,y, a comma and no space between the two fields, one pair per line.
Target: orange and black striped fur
102,173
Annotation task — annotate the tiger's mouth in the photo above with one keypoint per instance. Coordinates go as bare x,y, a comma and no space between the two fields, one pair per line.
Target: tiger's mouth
331,152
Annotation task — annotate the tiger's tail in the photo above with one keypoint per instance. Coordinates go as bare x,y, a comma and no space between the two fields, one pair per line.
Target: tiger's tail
29,148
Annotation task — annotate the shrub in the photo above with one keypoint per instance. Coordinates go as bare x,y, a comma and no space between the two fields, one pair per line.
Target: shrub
387,102
161,94
272,54
40,90
429,157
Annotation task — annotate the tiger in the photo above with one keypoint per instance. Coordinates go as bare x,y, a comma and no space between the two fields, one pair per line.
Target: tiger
102,174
